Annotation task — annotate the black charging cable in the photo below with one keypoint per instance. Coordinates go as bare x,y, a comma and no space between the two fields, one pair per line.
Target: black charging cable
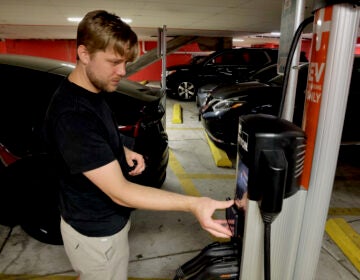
267,219
267,251
213,252
289,59
273,169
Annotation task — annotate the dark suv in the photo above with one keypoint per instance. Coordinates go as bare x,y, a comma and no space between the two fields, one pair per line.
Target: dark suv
227,65
27,179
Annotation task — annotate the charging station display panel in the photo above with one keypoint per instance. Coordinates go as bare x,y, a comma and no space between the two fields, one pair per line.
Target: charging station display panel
241,185
235,215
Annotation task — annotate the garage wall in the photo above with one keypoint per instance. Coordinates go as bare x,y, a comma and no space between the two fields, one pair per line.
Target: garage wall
66,50
56,49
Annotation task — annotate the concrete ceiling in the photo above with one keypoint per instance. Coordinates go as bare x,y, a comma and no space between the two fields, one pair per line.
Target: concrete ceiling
47,19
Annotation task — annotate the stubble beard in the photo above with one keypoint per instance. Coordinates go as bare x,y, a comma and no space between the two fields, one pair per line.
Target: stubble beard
98,83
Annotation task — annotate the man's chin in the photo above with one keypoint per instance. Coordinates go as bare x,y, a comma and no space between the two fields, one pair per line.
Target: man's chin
110,88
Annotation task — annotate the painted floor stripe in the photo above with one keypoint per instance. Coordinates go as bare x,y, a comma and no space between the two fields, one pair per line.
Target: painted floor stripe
346,238
186,183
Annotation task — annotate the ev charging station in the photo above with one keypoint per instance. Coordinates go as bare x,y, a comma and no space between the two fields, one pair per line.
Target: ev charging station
285,174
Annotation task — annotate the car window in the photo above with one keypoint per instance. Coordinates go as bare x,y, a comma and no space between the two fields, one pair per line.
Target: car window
227,58
242,57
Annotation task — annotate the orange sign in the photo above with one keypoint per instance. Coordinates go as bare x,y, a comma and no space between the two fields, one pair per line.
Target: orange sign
315,84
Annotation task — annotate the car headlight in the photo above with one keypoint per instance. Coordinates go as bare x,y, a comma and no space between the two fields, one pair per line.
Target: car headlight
167,73
225,105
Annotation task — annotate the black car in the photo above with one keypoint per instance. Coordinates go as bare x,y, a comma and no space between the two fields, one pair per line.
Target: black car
220,115
262,75
183,81
27,180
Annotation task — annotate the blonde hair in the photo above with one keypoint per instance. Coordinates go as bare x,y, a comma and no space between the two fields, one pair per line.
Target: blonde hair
100,30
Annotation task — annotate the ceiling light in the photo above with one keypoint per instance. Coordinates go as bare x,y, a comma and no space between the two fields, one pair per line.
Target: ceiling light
275,33
127,20
74,19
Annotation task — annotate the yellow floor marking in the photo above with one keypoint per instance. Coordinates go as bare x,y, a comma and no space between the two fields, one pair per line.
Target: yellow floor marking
177,114
186,183
346,239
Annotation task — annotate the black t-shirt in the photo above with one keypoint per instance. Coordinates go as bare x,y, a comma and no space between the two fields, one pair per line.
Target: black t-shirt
81,132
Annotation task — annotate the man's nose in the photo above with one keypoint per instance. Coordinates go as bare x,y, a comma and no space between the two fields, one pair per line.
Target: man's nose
121,69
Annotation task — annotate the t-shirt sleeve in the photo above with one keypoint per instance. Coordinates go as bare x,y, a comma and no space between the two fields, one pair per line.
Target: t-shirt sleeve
82,142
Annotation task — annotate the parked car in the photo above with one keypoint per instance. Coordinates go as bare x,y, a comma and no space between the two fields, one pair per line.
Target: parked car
28,194
262,75
183,81
224,106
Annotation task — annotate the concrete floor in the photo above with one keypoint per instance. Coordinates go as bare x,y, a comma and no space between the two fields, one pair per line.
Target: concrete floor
162,241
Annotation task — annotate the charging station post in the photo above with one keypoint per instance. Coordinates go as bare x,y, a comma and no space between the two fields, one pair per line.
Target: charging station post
335,30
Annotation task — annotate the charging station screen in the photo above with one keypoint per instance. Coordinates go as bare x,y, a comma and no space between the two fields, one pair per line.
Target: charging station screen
241,185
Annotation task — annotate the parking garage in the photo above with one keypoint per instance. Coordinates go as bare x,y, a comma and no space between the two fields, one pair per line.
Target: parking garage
160,242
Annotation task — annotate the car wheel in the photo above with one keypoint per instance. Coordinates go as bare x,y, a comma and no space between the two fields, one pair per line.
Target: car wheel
186,90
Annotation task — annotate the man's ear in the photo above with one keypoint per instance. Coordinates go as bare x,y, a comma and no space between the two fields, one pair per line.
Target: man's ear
83,54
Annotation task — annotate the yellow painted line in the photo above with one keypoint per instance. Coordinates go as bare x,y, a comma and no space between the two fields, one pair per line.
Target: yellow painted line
177,114
220,157
345,238
186,183
334,211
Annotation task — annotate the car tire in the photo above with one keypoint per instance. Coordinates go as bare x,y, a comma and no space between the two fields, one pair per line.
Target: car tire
186,90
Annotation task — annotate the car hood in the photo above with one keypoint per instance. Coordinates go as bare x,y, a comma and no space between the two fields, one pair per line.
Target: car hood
232,90
138,91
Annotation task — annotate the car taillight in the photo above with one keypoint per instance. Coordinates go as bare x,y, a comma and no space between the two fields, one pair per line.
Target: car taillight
6,156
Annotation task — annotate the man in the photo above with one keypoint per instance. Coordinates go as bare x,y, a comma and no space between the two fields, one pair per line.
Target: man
95,197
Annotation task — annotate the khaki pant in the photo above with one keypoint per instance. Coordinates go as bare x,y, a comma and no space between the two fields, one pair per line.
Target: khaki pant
97,258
